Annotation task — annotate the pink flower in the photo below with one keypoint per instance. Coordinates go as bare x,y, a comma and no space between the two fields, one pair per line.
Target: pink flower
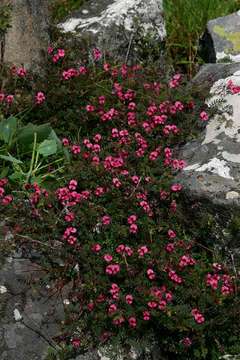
151,274
1,191
101,100
106,67
186,260
107,257
198,317
171,234
65,142
97,54
132,322
40,98
50,50
179,106
176,187
69,231
112,309
75,342
90,108
153,155
96,248
128,251
106,220
116,182
120,249
97,138
114,291
96,160
55,58
82,70
133,228
204,116
152,304
168,296
135,179
174,277
72,240
7,200
143,250
162,304
132,219
146,315
90,306
75,149
118,321
99,191
186,341
21,72
61,53
173,206
9,99
170,247
72,184
69,217
226,289
2,96
132,106
129,299
112,269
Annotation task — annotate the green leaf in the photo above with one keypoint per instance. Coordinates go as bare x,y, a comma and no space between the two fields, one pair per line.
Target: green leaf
26,134
4,172
8,128
47,148
17,177
11,159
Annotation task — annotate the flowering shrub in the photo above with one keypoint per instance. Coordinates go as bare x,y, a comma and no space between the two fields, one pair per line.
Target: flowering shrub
111,229
79,88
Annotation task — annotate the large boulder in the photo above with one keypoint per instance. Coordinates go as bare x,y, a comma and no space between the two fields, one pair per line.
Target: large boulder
213,159
27,38
211,179
221,41
116,25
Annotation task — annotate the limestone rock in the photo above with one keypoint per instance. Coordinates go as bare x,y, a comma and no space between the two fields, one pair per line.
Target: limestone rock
30,318
213,160
114,25
27,39
222,39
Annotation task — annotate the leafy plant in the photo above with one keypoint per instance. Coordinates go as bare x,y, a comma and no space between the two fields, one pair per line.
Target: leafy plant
28,152
61,8
5,17
112,231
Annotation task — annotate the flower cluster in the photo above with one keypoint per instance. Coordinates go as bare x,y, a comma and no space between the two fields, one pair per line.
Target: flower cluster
4,198
113,219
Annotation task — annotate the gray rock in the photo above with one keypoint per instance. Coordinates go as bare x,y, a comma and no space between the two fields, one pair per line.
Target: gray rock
209,74
114,25
29,317
221,41
27,39
213,160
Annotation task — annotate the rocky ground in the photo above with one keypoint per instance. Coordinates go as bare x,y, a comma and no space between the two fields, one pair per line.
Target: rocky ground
29,317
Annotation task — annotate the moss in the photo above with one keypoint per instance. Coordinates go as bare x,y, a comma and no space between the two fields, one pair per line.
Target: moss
5,18
62,8
233,37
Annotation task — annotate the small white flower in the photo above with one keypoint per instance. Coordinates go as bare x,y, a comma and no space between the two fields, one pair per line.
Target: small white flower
17,315
3,289
76,268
